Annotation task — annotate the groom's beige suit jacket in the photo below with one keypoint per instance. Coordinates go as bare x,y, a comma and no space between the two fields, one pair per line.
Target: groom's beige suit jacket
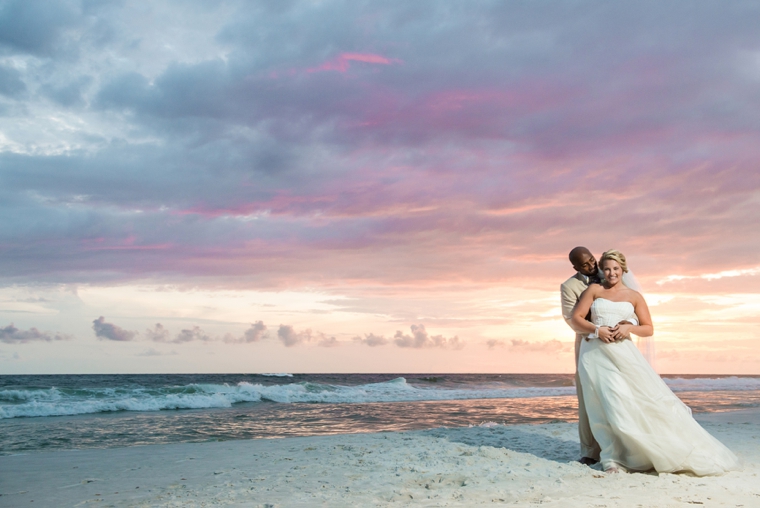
570,291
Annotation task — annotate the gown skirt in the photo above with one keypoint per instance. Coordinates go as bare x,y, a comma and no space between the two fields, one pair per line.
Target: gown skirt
637,420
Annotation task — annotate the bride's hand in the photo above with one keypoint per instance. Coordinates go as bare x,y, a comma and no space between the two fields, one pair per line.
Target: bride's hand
605,334
621,331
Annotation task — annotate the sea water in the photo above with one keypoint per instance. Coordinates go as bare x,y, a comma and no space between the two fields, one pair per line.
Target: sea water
98,411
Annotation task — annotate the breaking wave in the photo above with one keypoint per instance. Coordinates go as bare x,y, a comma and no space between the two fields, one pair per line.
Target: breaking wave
37,402
58,401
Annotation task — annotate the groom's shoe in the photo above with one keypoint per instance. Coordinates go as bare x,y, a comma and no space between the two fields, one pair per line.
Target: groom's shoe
587,461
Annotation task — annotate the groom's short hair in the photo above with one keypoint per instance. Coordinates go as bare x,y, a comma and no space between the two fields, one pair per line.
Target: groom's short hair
576,252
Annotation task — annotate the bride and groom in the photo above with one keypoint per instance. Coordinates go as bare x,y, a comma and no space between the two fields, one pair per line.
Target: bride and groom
628,417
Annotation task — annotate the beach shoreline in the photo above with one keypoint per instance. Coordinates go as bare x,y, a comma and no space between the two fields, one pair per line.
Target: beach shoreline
491,464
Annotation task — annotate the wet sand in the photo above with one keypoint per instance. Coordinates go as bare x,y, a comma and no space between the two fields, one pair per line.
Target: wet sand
494,465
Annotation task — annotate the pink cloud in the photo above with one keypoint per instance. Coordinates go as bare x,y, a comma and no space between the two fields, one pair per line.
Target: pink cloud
342,62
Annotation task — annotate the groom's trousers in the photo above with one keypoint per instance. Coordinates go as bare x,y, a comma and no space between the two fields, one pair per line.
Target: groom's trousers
589,447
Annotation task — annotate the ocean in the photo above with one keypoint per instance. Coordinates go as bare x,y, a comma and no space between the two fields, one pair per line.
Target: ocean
47,412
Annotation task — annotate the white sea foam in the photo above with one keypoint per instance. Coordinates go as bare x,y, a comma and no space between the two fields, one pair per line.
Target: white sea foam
277,374
55,402
486,425
58,402
15,403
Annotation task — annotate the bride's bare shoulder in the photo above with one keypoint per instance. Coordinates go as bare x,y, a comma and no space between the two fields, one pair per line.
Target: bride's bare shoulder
593,290
633,296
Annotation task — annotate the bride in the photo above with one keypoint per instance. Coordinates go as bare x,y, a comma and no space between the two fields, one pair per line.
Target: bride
638,422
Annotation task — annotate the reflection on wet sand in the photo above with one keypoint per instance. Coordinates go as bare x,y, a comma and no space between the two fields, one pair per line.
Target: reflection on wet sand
272,420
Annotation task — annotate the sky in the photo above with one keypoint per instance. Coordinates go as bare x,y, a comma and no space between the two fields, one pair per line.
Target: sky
353,186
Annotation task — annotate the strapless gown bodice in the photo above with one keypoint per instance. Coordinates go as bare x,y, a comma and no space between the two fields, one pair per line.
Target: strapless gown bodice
608,313
637,420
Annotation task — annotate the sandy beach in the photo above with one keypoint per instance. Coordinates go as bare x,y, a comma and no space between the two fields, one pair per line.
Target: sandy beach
517,465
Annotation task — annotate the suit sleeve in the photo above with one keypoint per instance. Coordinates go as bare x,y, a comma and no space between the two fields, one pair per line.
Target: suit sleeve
568,302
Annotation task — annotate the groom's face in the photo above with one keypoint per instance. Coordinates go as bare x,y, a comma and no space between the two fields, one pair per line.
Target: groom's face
586,264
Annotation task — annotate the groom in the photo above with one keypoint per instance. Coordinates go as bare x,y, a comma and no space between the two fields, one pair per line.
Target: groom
587,272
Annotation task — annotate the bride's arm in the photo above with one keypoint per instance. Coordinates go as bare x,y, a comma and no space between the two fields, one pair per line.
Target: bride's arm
580,311
645,327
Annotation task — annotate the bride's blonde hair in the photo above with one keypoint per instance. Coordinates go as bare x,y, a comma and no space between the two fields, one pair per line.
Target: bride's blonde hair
614,255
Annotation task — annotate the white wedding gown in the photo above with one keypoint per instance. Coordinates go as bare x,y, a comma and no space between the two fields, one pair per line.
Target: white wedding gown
637,420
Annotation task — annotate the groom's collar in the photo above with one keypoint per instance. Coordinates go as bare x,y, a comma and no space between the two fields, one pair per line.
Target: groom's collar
587,280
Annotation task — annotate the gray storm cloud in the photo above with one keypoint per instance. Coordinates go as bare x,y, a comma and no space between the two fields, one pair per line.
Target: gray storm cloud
36,26
10,82
109,331
249,147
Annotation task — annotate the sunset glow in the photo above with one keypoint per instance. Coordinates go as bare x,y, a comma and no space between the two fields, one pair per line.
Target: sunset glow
385,187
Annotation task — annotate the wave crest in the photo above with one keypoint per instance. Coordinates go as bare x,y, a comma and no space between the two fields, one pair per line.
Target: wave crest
63,402
35,402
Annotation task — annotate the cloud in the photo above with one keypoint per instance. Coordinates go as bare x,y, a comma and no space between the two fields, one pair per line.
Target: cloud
486,132
12,335
68,94
372,340
494,343
192,334
10,82
256,333
342,62
712,276
34,26
158,333
290,337
110,331
326,341
421,339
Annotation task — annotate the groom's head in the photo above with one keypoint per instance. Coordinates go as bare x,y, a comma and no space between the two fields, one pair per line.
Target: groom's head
583,261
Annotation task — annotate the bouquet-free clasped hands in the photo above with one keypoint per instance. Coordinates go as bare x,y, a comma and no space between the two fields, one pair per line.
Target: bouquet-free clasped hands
620,331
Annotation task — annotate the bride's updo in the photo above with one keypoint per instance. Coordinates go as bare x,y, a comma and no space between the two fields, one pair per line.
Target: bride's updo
614,255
